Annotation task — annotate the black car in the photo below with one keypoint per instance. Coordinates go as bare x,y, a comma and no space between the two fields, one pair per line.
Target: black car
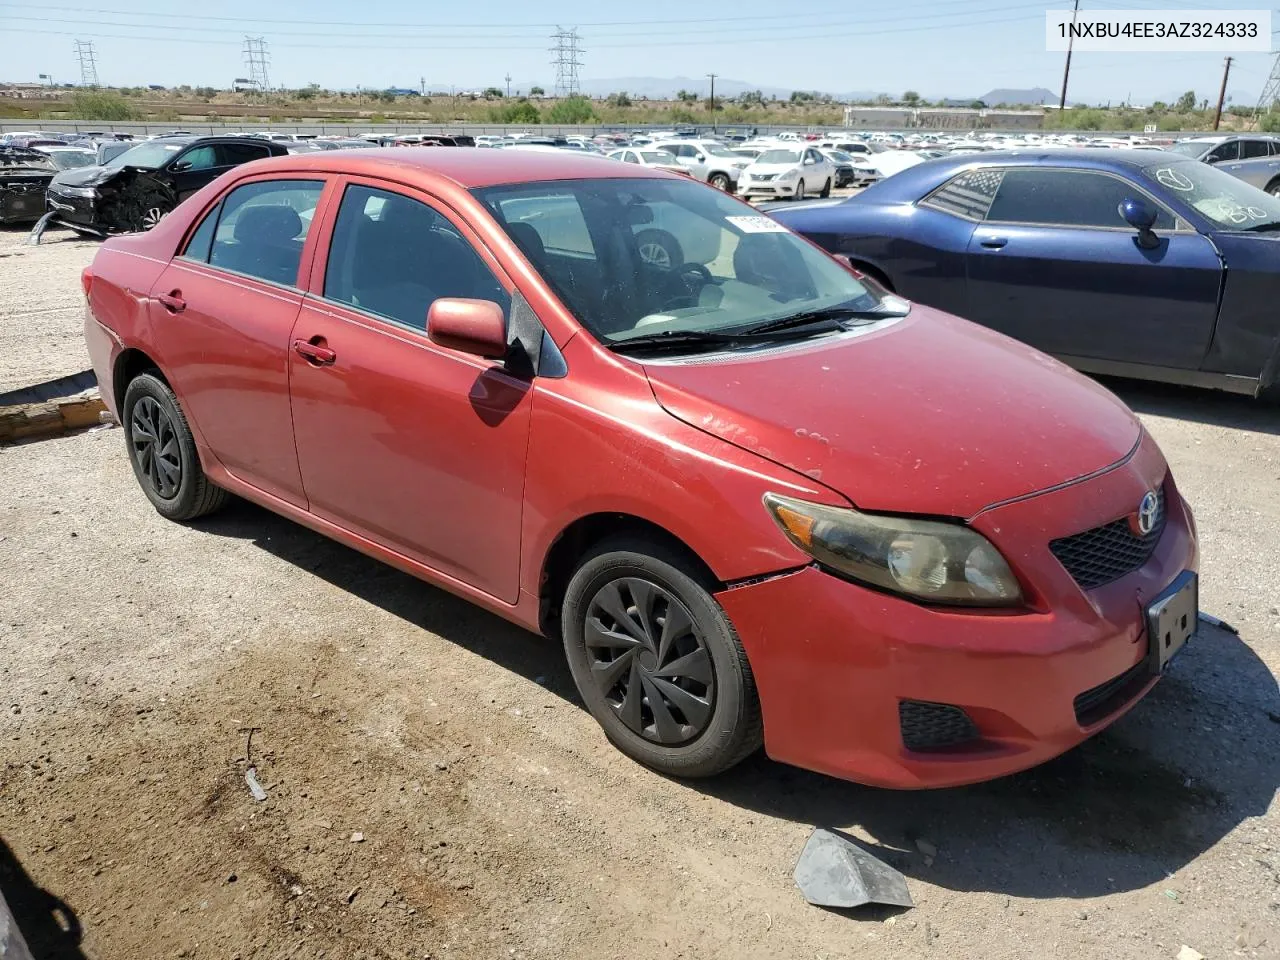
24,176
136,189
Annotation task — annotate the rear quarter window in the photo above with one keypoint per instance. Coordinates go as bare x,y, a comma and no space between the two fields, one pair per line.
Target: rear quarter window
968,194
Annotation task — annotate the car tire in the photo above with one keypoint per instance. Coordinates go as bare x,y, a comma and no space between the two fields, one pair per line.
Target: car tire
163,452
720,181
660,249
826,189
708,719
799,194
1273,187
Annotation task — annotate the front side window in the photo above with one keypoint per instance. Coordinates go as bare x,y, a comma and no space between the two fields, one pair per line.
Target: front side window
199,158
1066,198
1227,151
634,257
261,228
394,256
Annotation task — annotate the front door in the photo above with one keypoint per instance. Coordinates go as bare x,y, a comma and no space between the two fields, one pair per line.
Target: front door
222,311
1056,266
416,447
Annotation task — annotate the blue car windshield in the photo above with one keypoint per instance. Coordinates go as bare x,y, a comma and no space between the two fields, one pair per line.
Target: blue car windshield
1228,203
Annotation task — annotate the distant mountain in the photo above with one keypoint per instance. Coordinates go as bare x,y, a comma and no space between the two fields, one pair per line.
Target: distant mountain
1035,97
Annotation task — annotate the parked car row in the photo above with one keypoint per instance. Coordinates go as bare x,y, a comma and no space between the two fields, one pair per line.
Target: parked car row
757,496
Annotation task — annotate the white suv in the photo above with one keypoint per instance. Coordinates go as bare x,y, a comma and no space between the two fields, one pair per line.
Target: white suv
707,160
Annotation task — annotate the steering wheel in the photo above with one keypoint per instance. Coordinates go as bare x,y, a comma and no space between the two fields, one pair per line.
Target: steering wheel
689,279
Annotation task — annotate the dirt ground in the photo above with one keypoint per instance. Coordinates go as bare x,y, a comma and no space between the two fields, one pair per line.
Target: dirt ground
41,306
435,789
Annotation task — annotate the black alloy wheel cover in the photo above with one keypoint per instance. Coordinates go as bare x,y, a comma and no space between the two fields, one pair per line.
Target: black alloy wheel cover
155,448
649,661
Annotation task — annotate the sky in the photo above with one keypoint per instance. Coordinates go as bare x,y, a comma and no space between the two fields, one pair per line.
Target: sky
954,48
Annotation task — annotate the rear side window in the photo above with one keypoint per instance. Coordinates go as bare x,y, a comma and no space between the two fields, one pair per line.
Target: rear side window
1066,198
967,195
1253,148
394,256
201,241
233,154
261,228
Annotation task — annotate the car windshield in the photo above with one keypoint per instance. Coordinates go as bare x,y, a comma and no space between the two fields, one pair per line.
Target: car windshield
657,156
70,159
1190,148
778,156
719,150
20,158
1229,203
636,257
839,156
146,156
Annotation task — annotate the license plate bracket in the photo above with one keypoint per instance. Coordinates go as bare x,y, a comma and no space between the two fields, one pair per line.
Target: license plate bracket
1172,619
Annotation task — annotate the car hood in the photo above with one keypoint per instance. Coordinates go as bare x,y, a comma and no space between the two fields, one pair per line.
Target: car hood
84,176
771,168
928,415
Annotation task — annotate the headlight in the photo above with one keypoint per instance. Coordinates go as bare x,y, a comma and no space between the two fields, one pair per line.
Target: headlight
940,562
789,174
87,192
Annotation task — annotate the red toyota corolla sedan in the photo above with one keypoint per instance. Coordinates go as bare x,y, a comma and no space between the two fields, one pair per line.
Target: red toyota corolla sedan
761,500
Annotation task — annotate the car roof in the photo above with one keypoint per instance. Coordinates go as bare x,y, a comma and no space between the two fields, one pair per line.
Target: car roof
465,166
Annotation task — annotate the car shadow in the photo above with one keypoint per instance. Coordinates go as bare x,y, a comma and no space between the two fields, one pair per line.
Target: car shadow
1213,407
1123,811
49,926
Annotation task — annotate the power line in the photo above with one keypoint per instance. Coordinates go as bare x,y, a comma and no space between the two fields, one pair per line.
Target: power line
566,61
256,60
88,63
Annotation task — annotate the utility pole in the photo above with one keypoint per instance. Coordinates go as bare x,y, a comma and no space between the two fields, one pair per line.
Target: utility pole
1222,94
422,86
713,101
1071,39
508,78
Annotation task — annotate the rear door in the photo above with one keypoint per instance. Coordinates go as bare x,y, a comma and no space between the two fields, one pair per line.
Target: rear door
413,446
1056,266
221,313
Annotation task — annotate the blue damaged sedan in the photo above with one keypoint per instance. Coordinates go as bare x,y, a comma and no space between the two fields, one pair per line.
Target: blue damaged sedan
1135,263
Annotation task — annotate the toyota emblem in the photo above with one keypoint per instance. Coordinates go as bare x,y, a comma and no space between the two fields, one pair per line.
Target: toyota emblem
1147,511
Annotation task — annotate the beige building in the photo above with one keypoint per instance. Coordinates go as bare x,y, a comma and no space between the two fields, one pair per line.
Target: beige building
942,118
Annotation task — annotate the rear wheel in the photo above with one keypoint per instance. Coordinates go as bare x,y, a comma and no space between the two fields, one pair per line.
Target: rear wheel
799,194
1273,187
719,180
163,452
657,662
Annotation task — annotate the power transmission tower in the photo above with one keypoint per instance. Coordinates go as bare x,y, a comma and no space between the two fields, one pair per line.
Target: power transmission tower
1270,92
88,63
256,60
567,61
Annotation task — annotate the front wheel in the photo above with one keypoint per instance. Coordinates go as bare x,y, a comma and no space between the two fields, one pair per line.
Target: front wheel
657,662
799,194
719,180
826,188
163,452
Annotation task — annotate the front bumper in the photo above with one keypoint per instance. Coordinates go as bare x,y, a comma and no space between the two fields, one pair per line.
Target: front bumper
833,661
74,211
769,188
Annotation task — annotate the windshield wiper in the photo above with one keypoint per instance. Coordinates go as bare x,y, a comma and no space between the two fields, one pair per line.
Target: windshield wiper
1264,227
825,315
674,339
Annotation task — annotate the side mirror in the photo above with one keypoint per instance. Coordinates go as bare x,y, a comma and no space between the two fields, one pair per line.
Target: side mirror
700,157
1142,218
181,165
469,326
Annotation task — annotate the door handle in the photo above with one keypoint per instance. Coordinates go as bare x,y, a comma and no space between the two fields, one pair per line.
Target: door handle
994,243
172,301
315,353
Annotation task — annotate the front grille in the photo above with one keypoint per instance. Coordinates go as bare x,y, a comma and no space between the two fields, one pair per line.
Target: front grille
1108,552
763,177
934,726
1096,703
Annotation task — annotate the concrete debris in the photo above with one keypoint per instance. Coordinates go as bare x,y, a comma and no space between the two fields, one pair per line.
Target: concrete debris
357,837
1186,953
12,946
833,871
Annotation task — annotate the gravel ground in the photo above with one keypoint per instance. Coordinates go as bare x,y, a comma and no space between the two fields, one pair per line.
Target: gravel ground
436,790
41,306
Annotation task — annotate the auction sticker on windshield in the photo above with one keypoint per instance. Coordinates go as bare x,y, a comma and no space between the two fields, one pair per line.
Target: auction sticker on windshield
1155,31
757,225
